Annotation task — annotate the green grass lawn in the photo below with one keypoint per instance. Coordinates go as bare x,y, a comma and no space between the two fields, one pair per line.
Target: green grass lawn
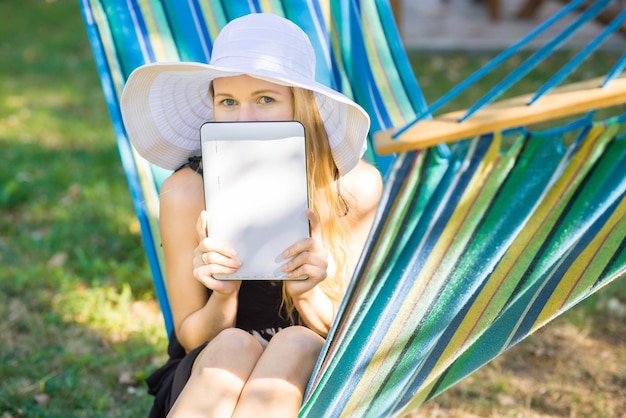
80,328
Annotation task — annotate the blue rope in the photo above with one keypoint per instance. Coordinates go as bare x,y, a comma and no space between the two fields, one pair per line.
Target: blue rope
487,68
580,57
616,70
580,123
536,58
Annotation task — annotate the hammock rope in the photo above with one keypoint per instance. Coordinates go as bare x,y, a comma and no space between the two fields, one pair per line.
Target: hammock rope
536,58
575,62
495,62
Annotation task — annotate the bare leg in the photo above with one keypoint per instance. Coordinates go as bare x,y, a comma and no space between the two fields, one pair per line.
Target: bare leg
277,384
218,376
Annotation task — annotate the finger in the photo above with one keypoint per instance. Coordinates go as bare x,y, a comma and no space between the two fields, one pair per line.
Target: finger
308,271
209,270
303,259
297,261
305,245
314,225
209,281
208,245
216,258
201,226
315,235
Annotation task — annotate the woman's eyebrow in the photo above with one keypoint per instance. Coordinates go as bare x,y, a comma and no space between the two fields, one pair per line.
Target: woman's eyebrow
265,91
254,93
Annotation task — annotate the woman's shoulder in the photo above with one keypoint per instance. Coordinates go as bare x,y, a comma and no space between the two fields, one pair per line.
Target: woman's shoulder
183,187
365,184
183,180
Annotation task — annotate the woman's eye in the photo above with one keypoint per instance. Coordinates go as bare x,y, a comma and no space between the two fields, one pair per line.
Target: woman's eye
266,100
228,102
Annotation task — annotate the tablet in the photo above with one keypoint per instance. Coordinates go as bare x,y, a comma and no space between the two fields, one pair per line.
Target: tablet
256,193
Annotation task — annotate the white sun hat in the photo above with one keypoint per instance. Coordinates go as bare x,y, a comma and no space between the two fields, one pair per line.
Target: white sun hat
164,104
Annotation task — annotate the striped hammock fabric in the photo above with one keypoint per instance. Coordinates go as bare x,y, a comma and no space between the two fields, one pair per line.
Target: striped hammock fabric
474,247
470,255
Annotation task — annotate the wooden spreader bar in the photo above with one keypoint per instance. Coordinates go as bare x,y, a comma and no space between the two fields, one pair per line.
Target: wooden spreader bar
567,100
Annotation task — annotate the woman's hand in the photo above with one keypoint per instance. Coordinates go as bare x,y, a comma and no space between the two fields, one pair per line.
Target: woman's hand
310,259
213,257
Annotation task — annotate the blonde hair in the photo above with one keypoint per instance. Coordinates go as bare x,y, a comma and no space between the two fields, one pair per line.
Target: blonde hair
325,197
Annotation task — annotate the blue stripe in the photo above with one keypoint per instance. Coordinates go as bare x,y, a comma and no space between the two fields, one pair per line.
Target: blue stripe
140,25
326,65
201,32
361,76
403,66
128,161
315,28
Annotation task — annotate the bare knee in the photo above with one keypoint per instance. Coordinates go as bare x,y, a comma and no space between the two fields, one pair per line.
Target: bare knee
279,379
232,350
291,355
299,340
219,375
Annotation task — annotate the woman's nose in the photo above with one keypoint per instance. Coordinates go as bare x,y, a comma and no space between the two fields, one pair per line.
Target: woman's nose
246,113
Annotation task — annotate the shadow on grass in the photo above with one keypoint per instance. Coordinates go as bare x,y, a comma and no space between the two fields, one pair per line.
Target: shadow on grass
53,366
81,328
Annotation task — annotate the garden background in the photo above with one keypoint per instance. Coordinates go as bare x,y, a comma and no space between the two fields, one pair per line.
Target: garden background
79,325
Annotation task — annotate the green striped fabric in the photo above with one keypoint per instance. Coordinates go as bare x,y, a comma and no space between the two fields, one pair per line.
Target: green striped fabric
470,255
473,248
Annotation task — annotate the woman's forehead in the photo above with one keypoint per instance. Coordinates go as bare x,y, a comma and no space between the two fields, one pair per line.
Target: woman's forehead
246,83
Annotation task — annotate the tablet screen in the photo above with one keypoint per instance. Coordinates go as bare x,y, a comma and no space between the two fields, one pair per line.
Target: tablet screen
255,187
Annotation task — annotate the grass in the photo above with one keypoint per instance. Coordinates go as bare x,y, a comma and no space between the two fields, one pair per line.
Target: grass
81,328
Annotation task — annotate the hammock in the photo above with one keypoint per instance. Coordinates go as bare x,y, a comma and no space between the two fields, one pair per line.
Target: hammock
360,56
475,246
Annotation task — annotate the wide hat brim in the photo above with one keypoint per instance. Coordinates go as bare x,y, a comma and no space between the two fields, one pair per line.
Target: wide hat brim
165,104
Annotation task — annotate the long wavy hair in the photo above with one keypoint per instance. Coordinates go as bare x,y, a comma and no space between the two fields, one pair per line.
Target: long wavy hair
325,197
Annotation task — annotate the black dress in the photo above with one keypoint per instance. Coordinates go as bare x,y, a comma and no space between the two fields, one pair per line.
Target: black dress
259,312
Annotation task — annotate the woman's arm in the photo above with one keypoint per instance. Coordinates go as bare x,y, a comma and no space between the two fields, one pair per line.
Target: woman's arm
310,259
363,189
364,186
197,318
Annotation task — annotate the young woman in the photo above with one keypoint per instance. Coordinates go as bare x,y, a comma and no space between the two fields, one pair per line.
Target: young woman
248,348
